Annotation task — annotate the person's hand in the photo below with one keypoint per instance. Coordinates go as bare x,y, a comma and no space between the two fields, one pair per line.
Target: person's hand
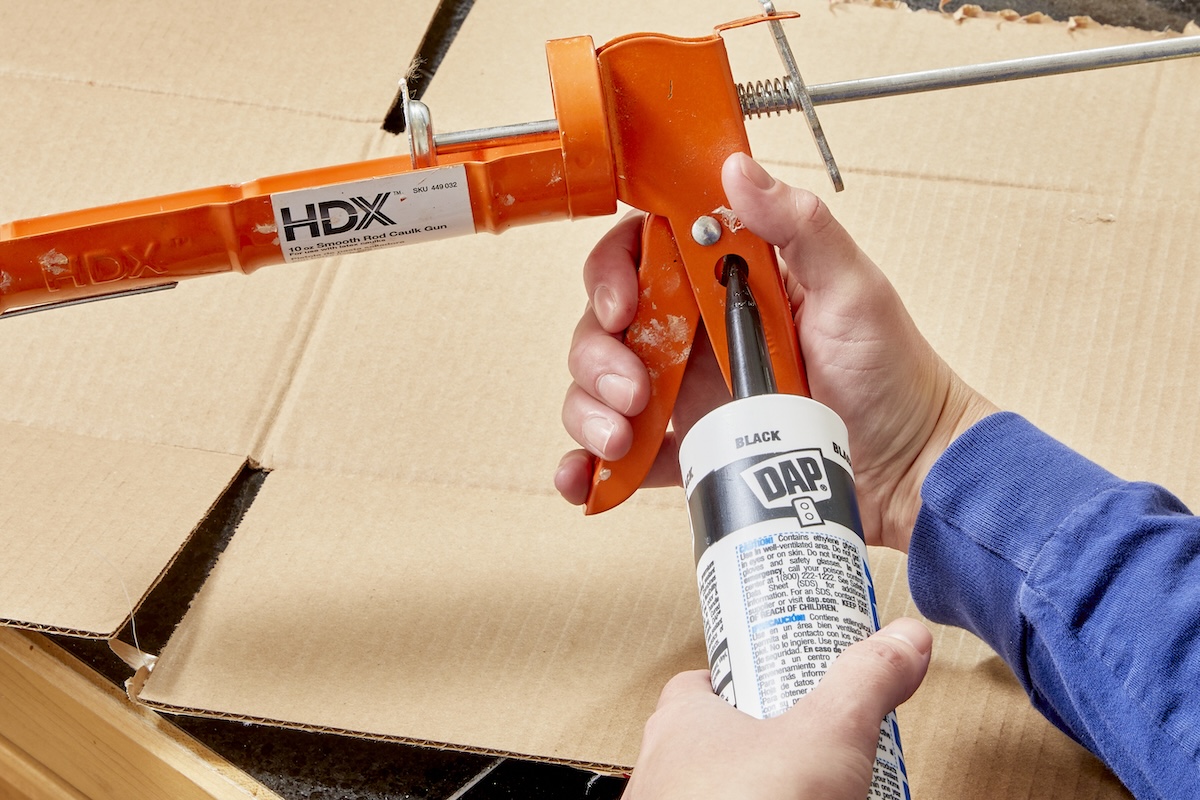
698,746
864,357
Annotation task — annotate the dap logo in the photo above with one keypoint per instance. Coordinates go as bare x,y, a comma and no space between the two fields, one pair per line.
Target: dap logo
796,479
331,217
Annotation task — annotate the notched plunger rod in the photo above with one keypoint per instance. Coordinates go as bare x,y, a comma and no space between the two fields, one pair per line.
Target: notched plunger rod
1122,55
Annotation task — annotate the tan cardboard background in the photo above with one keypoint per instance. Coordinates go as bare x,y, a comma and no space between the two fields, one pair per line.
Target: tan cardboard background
71,569
407,571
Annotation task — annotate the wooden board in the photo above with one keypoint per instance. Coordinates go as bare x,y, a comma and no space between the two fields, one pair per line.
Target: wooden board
66,734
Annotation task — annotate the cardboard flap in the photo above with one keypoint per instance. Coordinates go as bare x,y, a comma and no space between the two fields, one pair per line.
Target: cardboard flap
65,568
152,403
236,54
479,618
493,621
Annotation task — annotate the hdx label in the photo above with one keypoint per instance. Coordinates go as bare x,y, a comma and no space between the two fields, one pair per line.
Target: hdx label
379,212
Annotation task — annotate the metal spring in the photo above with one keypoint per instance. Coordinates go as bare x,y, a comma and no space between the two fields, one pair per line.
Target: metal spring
773,96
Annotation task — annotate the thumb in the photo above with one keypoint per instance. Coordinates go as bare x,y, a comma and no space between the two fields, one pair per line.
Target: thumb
697,682
814,245
874,676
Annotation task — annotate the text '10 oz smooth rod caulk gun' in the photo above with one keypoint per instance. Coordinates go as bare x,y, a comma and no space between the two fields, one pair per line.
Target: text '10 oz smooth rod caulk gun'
781,561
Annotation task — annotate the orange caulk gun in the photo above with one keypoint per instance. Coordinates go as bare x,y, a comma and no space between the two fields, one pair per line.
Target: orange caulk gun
646,119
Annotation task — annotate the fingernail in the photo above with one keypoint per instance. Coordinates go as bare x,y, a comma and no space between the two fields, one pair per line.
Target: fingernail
597,431
755,173
909,631
605,303
617,391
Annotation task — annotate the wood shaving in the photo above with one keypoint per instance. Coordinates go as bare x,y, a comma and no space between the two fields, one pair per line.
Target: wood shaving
968,12
972,11
892,4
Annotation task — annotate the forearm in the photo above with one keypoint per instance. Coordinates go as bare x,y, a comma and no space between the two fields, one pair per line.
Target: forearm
1088,586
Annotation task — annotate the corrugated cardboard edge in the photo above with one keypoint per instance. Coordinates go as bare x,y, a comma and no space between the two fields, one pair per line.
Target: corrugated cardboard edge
602,769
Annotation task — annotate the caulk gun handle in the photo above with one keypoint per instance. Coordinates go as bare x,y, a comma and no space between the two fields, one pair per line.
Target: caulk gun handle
661,335
678,287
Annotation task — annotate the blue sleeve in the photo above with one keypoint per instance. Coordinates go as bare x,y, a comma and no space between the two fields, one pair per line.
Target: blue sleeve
1087,585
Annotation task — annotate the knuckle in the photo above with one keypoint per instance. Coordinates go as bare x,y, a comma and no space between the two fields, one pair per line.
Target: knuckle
586,358
886,656
660,725
812,210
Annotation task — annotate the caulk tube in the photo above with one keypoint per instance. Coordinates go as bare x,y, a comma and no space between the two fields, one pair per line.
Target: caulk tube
781,561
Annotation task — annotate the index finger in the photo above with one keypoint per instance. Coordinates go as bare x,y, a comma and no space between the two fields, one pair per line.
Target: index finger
610,274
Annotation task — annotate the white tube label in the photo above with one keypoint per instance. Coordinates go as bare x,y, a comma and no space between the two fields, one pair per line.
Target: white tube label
781,565
379,212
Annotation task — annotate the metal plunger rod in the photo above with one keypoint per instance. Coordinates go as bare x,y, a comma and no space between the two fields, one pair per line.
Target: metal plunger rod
999,71
913,82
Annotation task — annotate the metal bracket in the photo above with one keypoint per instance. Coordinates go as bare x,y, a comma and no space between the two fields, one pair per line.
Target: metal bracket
419,123
793,85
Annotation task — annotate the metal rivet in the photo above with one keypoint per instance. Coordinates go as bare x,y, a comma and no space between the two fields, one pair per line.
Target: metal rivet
706,231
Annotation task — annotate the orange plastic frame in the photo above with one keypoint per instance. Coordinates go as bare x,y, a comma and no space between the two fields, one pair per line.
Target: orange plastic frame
647,119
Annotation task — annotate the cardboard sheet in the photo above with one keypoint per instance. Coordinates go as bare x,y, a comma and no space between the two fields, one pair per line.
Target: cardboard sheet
1005,248
69,570
407,572
481,618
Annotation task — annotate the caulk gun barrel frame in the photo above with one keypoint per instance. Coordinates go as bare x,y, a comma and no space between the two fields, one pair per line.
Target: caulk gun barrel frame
913,82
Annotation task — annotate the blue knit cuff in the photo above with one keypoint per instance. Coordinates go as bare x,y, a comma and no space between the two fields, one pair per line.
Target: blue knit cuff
988,506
